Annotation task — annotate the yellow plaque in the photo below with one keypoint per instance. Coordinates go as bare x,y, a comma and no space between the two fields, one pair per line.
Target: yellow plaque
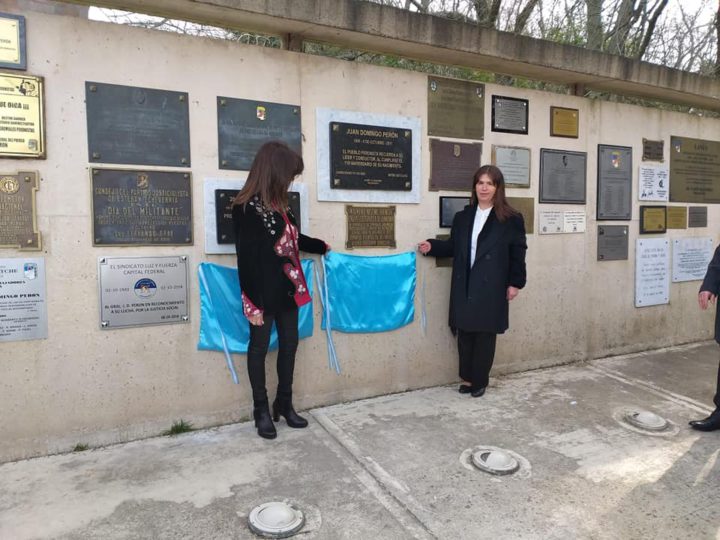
564,122
22,122
10,40
526,206
677,217
653,219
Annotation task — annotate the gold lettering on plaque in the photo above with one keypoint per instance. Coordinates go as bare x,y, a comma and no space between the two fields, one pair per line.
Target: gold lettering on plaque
370,226
677,217
18,216
564,122
22,132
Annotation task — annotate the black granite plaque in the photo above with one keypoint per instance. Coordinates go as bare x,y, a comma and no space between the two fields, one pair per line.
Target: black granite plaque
614,182
562,176
244,125
612,243
456,108
510,115
137,126
653,150
370,157
453,164
449,206
141,208
697,216
223,213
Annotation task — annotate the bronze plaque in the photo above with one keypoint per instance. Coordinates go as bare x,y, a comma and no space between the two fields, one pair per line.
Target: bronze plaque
694,170
677,217
653,219
452,165
370,226
443,262
13,53
18,214
697,216
456,108
653,150
141,208
22,121
564,122
526,206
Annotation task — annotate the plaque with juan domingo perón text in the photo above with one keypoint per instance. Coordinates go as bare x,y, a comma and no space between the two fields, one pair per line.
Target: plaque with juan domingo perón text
370,226
510,115
245,125
514,162
564,122
694,170
677,217
614,182
697,216
22,122
453,165
137,126
653,219
526,207
562,176
13,53
18,214
449,206
612,243
653,150
141,208
456,108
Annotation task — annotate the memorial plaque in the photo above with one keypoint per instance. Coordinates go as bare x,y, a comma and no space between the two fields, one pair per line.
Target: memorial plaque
653,150
612,243
449,206
142,291
514,162
510,115
564,122
453,165
244,125
13,52
443,262
563,176
370,157
370,226
653,219
694,170
574,221
614,182
23,302
22,118
550,222
677,217
137,126
456,108
697,216
526,206
18,214
653,183
652,272
691,257
141,208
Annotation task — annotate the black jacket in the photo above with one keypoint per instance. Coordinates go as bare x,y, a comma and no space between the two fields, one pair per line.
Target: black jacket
478,295
711,283
263,273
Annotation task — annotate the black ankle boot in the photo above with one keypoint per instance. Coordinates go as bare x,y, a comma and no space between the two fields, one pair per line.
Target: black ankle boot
282,406
263,422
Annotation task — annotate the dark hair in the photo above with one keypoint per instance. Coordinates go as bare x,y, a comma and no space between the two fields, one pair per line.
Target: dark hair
273,169
502,209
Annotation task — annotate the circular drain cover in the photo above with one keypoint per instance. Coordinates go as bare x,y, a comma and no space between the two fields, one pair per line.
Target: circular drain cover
646,420
275,520
495,461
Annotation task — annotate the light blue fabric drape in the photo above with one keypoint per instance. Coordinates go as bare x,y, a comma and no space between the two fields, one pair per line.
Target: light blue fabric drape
370,294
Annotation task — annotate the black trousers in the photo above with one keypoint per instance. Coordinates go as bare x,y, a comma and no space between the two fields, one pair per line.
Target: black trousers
477,352
286,323
717,392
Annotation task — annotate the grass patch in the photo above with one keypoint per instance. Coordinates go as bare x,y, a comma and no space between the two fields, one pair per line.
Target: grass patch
80,447
181,426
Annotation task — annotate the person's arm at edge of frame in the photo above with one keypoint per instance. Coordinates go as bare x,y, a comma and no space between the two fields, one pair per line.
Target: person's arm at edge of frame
517,274
711,283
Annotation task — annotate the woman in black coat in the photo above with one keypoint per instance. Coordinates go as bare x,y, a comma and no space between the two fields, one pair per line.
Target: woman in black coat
271,279
488,245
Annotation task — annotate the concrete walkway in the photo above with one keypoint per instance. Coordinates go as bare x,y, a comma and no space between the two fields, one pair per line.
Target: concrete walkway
397,467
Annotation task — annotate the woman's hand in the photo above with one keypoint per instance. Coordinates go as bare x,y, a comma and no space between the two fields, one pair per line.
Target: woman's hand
705,298
424,247
512,292
327,247
256,320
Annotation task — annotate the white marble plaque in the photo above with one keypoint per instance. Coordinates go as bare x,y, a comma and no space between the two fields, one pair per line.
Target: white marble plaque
23,302
652,272
691,257
653,183
550,222
574,221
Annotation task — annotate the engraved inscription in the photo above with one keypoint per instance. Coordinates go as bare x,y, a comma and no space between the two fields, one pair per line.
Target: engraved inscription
370,226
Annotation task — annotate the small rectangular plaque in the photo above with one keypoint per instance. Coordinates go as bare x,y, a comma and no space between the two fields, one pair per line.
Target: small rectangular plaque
677,217
691,257
653,219
18,214
550,222
614,182
526,206
456,108
510,115
370,157
652,272
694,170
653,150
653,180
449,206
574,221
13,51
370,226
141,208
452,165
697,216
137,126
142,291
443,262
514,162
23,300
612,243
22,117
562,176
564,122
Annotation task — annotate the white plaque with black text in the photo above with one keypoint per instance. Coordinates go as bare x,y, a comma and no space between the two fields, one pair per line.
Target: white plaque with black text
691,257
23,302
653,183
652,272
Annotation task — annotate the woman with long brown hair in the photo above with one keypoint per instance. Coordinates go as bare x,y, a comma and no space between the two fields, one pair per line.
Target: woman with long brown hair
488,245
271,279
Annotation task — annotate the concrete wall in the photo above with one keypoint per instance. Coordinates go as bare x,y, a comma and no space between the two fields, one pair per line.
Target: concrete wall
84,385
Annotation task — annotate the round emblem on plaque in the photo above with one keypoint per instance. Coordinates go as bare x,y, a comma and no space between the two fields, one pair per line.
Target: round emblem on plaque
9,185
145,288
143,181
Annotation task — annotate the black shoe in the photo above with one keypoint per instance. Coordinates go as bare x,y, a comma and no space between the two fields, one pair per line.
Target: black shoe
465,389
283,407
711,423
479,392
263,422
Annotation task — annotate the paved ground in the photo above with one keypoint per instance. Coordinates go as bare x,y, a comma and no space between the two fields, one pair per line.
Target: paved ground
397,467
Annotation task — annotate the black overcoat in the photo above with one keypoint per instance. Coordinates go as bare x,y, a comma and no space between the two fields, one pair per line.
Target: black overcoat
478,295
711,283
